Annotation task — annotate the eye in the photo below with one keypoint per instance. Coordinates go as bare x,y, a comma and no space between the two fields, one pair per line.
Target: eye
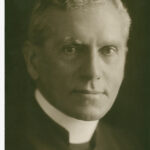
70,50
109,50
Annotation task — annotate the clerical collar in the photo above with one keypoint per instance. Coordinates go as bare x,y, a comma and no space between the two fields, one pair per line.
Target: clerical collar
79,131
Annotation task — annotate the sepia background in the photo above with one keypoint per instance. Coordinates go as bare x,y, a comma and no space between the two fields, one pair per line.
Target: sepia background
131,110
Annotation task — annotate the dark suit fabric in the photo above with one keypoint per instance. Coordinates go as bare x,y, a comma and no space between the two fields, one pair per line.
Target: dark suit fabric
36,131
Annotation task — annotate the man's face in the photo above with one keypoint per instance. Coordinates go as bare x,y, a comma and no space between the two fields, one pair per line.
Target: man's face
82,66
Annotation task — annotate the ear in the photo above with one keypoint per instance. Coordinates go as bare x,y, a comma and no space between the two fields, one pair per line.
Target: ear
31,59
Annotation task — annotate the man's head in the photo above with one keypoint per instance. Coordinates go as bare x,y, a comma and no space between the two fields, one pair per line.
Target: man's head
76,54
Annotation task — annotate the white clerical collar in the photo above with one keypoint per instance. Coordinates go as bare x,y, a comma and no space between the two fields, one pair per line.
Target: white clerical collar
79,131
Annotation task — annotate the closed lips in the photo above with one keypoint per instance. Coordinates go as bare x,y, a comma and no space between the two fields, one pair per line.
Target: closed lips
87,92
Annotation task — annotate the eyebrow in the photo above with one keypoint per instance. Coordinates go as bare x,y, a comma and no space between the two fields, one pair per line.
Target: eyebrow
118,43
69,39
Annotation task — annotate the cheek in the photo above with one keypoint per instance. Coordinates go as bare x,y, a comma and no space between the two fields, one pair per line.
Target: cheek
114,76
54,72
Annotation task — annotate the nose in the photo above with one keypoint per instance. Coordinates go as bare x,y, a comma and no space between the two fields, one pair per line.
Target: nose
91,68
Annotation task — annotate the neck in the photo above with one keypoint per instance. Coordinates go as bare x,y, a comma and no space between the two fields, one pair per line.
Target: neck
79,131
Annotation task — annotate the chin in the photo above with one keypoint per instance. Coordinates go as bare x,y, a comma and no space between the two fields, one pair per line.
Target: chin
89,114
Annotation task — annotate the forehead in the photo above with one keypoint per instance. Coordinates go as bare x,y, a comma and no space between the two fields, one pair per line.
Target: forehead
92,21
94,15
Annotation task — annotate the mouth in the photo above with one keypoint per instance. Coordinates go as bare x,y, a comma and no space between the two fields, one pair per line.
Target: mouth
90,92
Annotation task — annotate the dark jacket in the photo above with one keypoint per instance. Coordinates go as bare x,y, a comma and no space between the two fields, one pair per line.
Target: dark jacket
36,131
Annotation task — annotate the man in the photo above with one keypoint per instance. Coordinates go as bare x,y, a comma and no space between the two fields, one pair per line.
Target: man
75,53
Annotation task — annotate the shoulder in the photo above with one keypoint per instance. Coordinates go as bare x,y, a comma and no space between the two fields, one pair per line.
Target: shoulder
117,138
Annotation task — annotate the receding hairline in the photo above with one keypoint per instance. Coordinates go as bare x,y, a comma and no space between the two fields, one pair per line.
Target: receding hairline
72,4
38,19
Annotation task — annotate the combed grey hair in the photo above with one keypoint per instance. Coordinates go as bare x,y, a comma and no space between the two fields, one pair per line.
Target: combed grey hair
38,22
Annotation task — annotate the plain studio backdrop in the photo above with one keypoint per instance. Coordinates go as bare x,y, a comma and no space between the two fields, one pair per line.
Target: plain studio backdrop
130,110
